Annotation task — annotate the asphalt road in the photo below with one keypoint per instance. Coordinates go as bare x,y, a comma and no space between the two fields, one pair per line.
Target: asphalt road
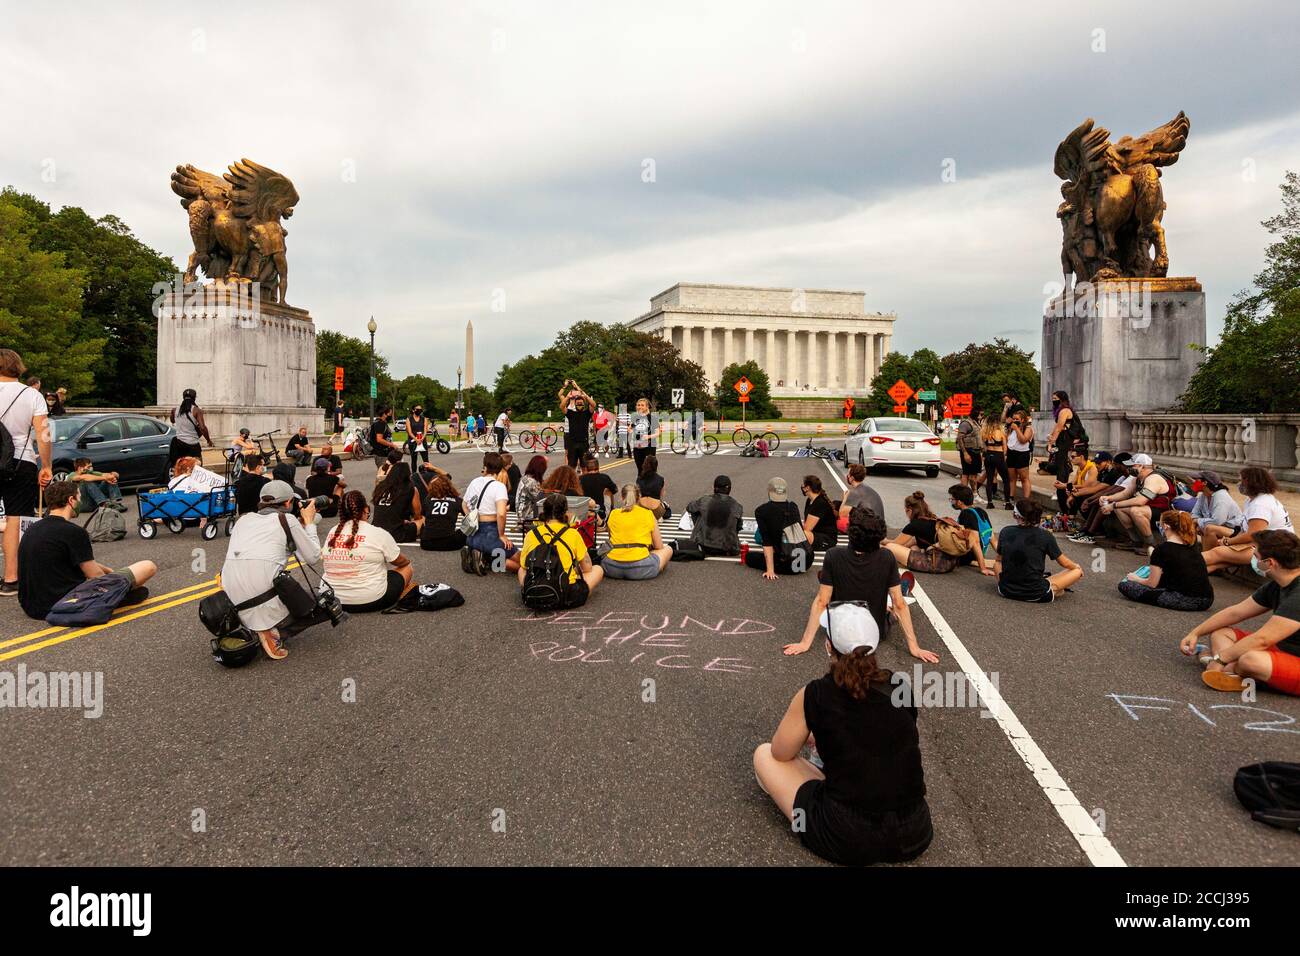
481,736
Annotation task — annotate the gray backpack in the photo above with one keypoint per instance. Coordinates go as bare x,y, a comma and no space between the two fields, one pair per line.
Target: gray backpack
106,524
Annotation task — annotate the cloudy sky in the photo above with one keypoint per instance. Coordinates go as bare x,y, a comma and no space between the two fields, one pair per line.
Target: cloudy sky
453,155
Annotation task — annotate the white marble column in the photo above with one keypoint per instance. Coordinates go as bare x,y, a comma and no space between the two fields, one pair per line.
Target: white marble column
685,349
769,355
832,360
727,336
886,346
747,345
810,359
851,374
869,357
791,353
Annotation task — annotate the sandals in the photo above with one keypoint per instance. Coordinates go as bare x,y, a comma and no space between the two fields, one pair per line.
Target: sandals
1222,680
273,646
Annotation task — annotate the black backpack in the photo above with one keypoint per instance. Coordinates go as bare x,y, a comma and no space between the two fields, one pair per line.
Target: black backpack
8,463
1078,434
1271,792
546,582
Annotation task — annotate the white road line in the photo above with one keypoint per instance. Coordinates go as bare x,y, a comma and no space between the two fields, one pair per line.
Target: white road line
1078,821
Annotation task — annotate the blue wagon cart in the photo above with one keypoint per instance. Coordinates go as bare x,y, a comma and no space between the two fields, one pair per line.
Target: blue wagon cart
175,508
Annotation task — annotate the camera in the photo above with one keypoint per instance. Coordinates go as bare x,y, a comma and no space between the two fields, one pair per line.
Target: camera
329,605
320,501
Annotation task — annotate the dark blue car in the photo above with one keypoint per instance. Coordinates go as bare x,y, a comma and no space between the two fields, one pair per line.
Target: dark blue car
135,446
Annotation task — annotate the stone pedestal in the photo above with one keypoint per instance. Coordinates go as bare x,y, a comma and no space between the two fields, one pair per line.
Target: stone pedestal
1120,346
253,363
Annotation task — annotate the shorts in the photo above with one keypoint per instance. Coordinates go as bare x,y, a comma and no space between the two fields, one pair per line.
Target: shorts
390,596
179,449
974,466
486,540
1018,459
1047,597
931,561
641,569
19,492
1286,668
840,835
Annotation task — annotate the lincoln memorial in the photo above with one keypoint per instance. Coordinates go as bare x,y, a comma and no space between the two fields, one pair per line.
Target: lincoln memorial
809,341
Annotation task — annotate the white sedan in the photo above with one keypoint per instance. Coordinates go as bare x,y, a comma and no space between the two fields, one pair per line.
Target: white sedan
901,442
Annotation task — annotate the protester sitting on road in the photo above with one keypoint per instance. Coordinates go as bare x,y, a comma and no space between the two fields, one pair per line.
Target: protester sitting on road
1023,550
773,518
392,458
651,485
95,487
914,547
1177,579
1118,482
994,439
717,520
258,551
1136,511
597,485
363,563
487,496
636,548
1071,492
1020,445
248,486
979,529
298,449
511,476
859,493
529,495
564,480
288,473
58,556
866,803
442,508
553,524
1261,512
397,504
336,463
190,475
322,484
1272,652
24,414
819,518
862,572
1215,512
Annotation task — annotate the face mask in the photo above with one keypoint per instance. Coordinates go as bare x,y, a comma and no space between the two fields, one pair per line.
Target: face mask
954,506
1256,567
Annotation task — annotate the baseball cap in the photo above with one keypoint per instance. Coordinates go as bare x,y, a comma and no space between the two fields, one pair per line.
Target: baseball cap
276,492
776,489
321,464
1123,458
1140,461
850,626
1102,456
1209,477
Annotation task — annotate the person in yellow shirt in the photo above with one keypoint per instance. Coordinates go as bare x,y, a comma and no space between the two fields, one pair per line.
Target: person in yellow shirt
1085,473
637,550
553,524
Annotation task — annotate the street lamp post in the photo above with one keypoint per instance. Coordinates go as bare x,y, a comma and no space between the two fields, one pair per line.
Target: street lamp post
460,403
372,327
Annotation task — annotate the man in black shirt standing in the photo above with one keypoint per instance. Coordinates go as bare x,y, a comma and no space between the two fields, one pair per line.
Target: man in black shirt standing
61,549
381,437
577,406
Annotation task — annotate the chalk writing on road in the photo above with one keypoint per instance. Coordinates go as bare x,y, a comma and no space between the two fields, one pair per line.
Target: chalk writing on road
651,639
1213,714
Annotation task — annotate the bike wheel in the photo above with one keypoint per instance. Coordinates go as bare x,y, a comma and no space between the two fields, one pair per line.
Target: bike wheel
527,440
773,440
742,437
550,437
236,467
709,444
444,446
679,444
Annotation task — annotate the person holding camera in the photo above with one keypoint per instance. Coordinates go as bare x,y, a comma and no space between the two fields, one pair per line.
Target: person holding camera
576,405
260,548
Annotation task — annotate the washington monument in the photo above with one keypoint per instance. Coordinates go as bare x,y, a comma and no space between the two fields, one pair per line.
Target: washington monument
469,354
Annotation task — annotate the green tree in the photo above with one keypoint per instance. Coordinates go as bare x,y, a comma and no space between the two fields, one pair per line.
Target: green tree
760,396
1256,365
649,367
597,381
40,306
334,349
988,370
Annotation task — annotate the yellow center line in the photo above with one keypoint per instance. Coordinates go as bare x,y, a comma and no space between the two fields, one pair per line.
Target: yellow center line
120,616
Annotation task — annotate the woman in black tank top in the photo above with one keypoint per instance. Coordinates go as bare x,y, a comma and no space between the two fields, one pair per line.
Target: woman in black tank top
397,505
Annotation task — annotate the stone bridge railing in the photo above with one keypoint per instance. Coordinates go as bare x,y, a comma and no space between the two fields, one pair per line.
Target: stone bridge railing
1225,443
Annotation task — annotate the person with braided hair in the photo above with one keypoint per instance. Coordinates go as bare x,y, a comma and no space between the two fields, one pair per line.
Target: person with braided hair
363,564
866,802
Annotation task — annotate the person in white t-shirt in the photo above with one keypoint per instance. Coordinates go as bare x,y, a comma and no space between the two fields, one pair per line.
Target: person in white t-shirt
24,412
488,548
1262,512
501,427
363,564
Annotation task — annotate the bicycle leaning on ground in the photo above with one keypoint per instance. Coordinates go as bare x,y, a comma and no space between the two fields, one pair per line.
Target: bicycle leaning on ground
544,439
742,437
682,442
814,451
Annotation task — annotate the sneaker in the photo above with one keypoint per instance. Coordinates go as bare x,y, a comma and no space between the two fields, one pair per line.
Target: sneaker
1008,506
908,581
272,645
9,589
1080,537
478,563
466,562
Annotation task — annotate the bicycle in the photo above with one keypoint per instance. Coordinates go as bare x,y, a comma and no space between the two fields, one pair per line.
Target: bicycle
433,439
274,452
358,445
815,451
681,443
234,465
546,436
